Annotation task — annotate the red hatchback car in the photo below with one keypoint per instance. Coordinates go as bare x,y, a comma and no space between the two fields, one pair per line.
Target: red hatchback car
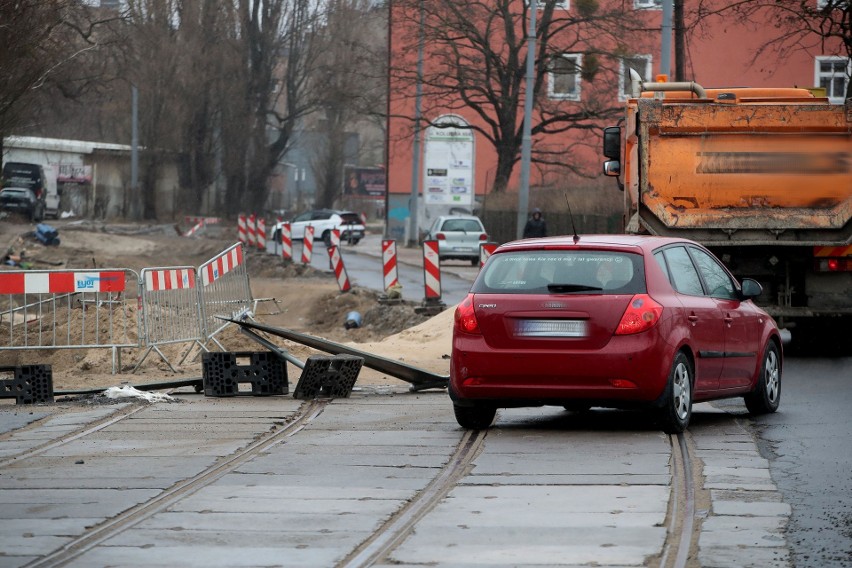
616,321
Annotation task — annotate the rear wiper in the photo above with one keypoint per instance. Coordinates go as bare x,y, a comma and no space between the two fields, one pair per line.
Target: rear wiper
564,288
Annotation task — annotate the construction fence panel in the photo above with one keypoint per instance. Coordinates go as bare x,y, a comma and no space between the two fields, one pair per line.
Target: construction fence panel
224,290
69,309
171,311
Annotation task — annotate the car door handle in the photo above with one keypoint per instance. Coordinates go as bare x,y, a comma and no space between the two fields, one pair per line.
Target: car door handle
728,320
692,317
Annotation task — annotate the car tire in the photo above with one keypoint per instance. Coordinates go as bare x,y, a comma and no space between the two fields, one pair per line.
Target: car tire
677,401
475,417
326,238
766,396
474,262
354,242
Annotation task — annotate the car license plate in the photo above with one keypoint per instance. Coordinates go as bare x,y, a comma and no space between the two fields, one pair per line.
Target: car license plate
463,249
550,328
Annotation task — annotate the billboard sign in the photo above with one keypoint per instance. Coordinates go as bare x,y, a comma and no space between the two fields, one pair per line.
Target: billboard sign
364,182
448,161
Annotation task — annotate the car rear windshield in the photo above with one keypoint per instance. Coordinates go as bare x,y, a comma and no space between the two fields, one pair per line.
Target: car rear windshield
562,272
463,225
350,218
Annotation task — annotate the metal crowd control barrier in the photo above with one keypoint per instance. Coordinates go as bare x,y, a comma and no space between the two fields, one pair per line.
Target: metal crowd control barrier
67,309
171,312
224,291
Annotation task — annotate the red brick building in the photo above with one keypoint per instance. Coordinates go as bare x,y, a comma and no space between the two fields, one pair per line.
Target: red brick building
589,55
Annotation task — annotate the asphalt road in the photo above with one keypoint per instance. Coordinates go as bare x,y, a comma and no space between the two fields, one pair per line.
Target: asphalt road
809,446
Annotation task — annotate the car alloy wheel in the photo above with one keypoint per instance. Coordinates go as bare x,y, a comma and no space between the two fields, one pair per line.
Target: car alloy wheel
677,404
766,396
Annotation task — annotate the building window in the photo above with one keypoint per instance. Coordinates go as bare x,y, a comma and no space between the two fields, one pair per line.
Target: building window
639,63
563,77
648,4
832,74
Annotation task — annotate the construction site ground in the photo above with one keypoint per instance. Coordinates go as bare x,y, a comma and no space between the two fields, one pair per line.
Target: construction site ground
289,295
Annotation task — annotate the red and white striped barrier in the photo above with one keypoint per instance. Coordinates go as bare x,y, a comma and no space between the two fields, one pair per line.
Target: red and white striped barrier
308,245
389,268
485,252
60,282
261,234
241,228
286,242
221,265
168,279
252,231
335,237
207,220
339,269
431,270
194,230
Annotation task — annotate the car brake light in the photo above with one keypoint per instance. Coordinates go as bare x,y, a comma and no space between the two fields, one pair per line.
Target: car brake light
642,313
483,237
441,237
465,318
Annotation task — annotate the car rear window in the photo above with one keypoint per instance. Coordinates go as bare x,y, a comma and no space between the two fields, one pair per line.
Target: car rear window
350,218
462,225
562,272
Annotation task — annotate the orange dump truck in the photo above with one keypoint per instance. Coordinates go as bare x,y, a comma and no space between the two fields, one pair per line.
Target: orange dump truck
763,177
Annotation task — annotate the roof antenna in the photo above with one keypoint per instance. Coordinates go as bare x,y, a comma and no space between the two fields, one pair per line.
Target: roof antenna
571,215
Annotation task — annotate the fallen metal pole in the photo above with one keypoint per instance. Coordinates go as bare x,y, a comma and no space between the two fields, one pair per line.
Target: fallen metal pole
420,379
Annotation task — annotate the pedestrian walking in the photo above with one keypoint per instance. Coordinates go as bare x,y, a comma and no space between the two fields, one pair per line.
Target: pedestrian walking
536,226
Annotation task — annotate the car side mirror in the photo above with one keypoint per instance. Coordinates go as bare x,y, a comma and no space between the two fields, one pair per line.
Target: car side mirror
750,289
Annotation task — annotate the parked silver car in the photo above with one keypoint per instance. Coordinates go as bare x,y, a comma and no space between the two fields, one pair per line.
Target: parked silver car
458,236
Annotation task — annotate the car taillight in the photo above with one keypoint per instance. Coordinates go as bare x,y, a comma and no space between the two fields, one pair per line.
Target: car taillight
642,313
465,318
441,237
483,237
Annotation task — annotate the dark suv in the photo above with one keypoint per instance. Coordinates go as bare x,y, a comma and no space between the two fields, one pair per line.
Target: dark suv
23,190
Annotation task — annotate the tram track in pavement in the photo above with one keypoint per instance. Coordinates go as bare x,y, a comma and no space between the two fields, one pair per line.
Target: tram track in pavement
682,538
136,514
393,532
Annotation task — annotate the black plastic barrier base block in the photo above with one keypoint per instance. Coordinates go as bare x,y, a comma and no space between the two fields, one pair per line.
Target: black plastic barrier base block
30,384
328,377
223,374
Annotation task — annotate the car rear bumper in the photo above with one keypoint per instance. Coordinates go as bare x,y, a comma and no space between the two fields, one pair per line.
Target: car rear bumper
628,371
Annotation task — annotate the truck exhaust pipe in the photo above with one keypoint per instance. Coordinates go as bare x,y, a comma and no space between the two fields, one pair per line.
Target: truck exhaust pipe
637,86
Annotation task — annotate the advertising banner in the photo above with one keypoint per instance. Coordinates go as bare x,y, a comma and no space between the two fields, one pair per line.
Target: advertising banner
364,181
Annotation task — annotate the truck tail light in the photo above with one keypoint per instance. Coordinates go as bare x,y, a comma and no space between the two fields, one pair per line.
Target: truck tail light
832,264
641,314
465,318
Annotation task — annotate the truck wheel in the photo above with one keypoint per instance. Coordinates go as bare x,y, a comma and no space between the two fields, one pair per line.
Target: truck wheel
677,402
766,396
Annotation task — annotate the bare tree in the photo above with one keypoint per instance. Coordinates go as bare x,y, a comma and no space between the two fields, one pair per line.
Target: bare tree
277,41
40,39
801,25
345,78
476,54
